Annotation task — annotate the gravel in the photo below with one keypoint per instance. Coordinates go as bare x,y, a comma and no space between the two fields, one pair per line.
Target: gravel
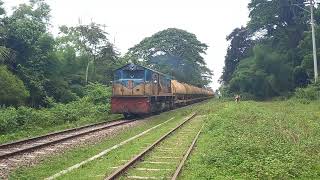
29,159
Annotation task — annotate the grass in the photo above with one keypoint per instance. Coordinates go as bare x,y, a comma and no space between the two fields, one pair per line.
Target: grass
172,148
38,130
258,140
249,140
100,167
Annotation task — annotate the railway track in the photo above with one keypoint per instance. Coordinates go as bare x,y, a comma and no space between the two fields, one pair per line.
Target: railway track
10,150
165,158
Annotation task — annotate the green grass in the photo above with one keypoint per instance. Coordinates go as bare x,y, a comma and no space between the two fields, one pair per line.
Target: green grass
38,131
258,140
100,167
174,146
249,140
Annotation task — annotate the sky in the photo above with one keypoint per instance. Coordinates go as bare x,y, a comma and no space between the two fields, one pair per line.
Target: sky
130,21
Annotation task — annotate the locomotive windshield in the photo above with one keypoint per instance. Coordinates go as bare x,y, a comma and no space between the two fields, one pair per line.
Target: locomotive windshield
137,74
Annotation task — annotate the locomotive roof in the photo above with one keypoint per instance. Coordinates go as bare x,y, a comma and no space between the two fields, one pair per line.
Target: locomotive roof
131,66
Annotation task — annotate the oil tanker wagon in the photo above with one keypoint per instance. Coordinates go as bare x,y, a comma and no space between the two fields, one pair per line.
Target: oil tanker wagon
138,90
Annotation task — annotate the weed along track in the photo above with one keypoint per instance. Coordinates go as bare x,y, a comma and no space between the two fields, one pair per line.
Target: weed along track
119,150
164,158
24,152
12,149
101,159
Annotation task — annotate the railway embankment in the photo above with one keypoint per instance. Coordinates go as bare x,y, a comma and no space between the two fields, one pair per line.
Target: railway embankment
22,122
246,140
258,140
96,159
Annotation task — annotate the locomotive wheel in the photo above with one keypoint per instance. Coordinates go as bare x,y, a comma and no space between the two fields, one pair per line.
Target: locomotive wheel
128,115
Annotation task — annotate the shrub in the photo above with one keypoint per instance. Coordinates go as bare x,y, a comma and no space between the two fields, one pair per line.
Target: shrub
95,105
12,91
98,93
312,92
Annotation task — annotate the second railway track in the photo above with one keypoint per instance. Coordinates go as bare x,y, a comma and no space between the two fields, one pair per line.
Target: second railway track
165,158
12,149
9,150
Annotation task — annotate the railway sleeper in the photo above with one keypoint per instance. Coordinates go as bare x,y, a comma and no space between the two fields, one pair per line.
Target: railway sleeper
165,155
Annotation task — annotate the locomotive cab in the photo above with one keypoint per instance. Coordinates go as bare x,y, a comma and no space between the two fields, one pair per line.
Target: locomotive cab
139,90
129,81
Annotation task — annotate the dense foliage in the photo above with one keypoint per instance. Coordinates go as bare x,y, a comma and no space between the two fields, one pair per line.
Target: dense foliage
47,80
51,68
175,52
12,89
272,55
95,105
59,68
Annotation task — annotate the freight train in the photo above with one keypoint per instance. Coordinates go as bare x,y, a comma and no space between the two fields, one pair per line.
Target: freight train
139,90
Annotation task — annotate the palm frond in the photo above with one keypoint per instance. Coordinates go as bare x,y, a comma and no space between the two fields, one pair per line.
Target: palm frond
4,53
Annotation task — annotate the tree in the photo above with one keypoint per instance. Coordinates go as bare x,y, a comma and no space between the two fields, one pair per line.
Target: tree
277,16
306,61
175,52
4,52
25,33
90,40
271,55
53,68
240,47
2,11
264,75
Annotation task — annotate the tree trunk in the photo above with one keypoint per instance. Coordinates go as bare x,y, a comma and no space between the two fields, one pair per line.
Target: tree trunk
87,71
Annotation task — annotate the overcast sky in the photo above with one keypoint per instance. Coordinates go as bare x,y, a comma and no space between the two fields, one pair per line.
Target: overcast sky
129,21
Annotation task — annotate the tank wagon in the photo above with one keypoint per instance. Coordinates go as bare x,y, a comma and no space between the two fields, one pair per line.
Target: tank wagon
138,90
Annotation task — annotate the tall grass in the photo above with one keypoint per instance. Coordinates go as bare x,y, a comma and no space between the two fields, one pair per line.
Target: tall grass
259,140
310,93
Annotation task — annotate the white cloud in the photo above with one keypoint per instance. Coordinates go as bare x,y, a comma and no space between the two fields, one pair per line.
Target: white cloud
128,22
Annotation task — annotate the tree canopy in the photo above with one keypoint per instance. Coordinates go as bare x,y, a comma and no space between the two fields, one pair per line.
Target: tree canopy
272,55
49,67
91,41
57,69
175,52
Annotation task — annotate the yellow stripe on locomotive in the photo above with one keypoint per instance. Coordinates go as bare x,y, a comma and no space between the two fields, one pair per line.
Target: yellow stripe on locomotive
140,90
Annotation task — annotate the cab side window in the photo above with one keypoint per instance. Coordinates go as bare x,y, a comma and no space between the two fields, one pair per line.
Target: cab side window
148,75
117,75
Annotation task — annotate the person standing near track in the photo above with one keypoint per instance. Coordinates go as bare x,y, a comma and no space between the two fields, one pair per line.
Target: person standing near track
237,98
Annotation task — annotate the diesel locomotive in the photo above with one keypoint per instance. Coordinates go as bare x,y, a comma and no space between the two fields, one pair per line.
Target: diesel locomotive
139,90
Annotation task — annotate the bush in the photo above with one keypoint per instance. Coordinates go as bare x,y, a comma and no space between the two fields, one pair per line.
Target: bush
95,105
98,93
60,91
312,92
12,91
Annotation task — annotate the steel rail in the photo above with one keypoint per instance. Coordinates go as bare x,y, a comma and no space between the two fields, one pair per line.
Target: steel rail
38,146
176,174
123,168
50,134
